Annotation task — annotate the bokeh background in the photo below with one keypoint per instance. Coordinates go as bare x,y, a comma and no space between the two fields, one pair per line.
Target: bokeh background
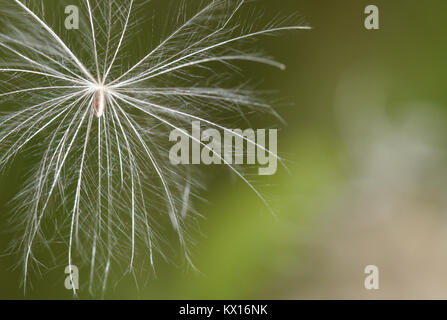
365,144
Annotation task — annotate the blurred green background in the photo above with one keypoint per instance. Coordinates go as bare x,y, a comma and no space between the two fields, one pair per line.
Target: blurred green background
365,145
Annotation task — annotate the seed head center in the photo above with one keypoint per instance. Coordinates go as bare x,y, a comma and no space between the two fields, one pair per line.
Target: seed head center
99,100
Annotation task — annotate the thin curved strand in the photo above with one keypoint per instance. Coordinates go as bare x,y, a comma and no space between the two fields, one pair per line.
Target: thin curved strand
58,39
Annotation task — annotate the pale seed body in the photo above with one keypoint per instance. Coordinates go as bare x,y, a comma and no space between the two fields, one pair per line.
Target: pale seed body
99,102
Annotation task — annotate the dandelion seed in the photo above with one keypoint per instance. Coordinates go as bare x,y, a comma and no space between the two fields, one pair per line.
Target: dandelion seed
99,101
98,121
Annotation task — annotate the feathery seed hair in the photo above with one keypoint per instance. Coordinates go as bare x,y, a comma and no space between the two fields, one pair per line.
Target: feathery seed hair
96,120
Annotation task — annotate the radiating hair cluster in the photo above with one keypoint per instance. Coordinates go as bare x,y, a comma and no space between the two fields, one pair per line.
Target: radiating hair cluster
94,115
